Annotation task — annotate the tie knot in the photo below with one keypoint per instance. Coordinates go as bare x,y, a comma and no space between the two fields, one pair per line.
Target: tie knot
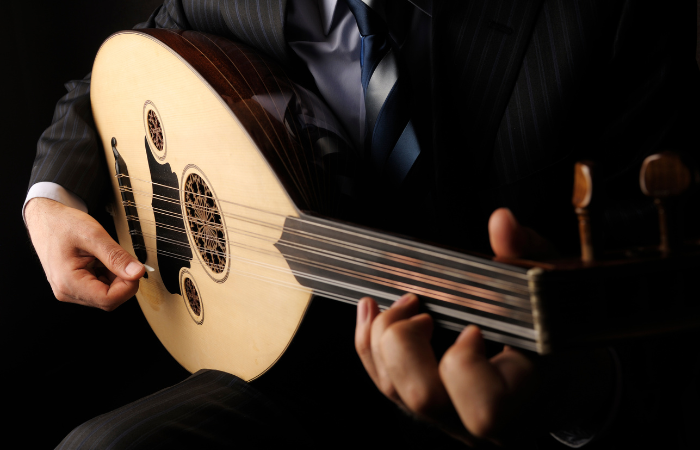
369,15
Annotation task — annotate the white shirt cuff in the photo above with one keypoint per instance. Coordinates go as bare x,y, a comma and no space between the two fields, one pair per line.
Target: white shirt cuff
46,189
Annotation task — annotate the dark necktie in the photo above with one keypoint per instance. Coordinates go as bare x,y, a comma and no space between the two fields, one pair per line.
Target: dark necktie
389,134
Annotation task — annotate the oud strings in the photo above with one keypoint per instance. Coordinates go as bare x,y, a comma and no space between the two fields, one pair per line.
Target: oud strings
363,290
439,283
523,313
513,329
468,276
466,262
476,278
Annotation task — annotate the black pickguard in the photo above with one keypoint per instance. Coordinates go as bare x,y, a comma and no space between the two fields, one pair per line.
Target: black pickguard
173,246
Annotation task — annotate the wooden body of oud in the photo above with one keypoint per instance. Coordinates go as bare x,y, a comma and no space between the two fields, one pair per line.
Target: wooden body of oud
247,323
227,115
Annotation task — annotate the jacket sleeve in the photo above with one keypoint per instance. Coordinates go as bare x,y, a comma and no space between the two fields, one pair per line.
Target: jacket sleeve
69,152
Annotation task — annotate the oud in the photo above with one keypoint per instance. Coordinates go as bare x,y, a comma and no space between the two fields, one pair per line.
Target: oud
217,163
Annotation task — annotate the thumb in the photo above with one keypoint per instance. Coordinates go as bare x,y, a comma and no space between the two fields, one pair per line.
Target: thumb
509,239
117,260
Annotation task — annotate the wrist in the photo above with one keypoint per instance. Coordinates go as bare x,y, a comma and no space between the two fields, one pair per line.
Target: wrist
34,207
52,191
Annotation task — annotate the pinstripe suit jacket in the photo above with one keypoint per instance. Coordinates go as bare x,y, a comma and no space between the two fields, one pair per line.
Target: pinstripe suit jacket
69,153
521,88
526,88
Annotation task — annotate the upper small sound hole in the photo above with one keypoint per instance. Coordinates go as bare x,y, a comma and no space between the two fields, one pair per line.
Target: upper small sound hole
155,130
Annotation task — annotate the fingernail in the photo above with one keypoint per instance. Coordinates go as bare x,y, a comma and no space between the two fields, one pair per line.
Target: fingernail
362,311
465,332
403,300
133,268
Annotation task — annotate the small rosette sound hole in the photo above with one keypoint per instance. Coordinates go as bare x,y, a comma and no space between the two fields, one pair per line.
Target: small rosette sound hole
193,297
205,223
155,130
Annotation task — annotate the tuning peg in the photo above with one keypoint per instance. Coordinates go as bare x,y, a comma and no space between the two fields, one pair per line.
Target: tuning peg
664,177
583,194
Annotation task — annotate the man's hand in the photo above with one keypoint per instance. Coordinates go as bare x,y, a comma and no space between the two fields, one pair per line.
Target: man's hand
468,394
82,262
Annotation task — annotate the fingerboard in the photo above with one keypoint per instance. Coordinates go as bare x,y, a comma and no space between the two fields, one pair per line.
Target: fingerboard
345,262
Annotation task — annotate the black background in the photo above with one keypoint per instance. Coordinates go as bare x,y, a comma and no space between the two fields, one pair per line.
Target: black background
63,364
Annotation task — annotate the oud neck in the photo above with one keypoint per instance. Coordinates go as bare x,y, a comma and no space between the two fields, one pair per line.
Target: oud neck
346,262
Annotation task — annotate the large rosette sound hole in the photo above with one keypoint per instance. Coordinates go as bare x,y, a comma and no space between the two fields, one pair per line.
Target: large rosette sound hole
205,223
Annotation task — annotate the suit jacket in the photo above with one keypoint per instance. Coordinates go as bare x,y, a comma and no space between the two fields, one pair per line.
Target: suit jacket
520,89
529,87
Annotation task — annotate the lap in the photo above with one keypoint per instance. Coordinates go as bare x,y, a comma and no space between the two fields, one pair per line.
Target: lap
210,409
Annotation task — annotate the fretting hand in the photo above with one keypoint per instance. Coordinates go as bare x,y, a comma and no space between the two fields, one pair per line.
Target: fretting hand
466,393
82,262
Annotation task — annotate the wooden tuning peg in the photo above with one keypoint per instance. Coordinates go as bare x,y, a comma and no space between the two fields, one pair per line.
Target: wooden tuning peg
583,193
664,177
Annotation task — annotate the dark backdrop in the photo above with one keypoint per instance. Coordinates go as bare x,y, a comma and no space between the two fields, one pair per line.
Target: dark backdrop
68,363
74,361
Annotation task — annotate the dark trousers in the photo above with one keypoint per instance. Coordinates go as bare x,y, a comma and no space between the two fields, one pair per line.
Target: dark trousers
210,409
